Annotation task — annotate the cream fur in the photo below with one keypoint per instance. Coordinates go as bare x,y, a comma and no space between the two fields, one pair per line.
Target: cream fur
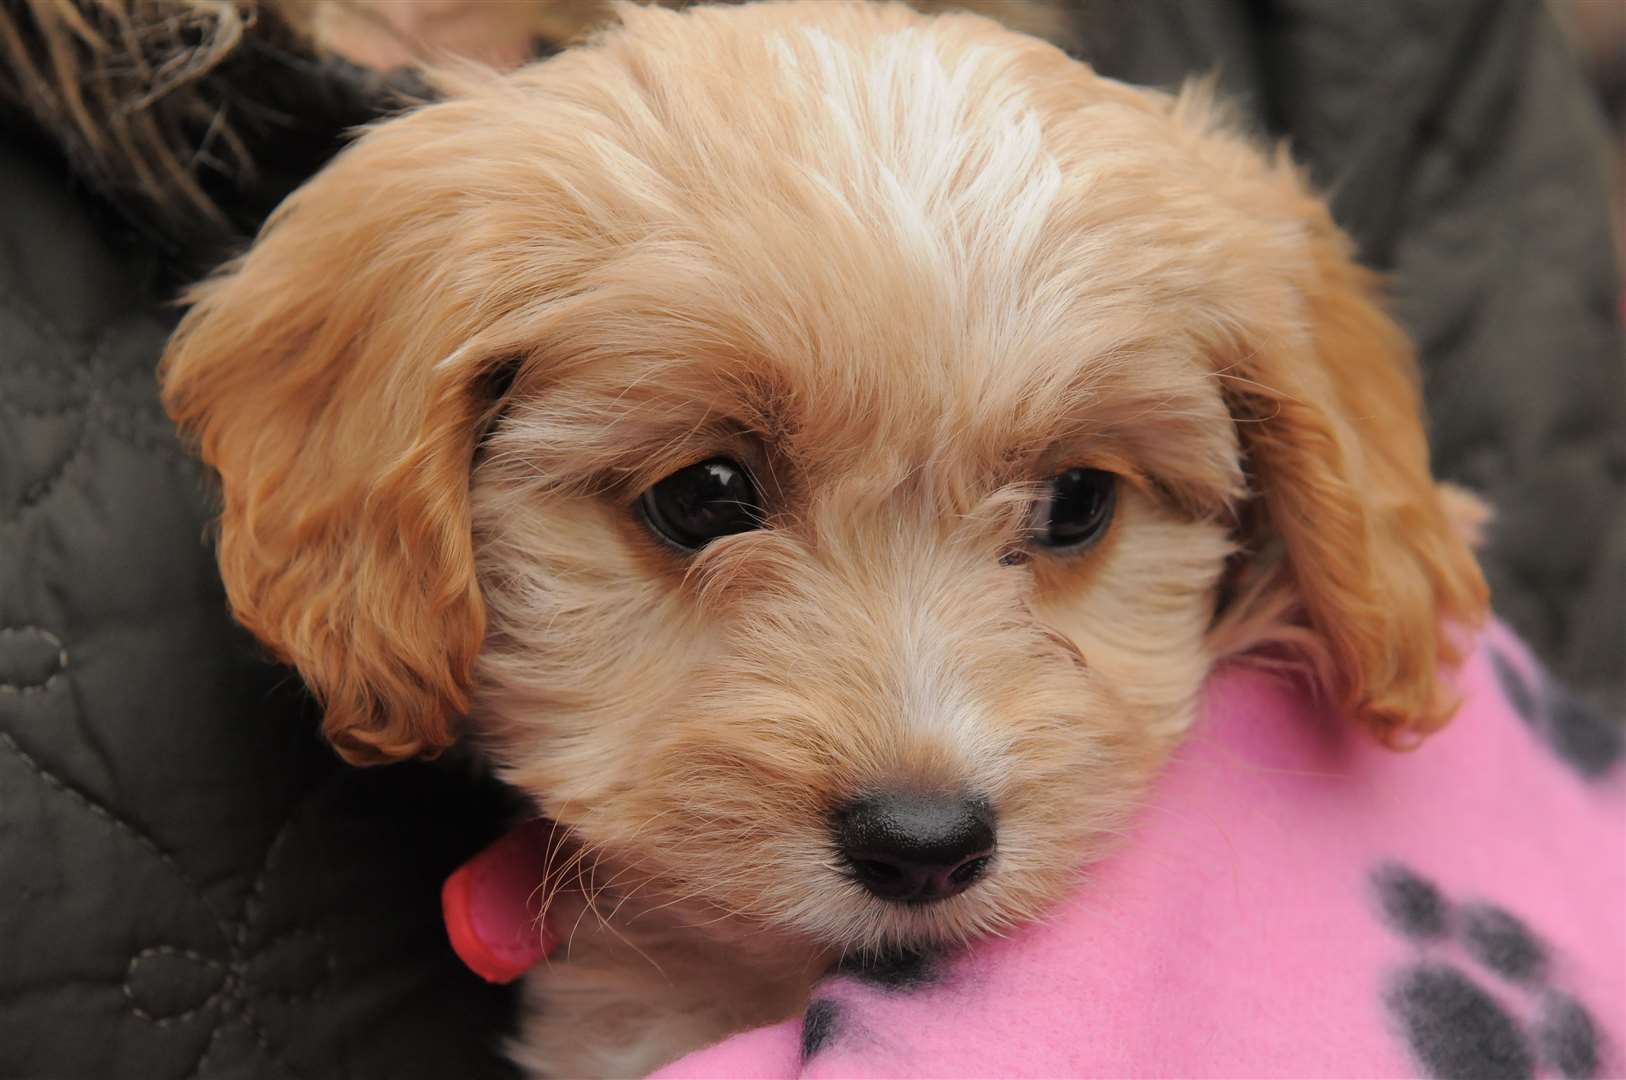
905,269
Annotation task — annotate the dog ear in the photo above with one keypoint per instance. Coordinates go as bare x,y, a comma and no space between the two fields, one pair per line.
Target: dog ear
329,378
1351,551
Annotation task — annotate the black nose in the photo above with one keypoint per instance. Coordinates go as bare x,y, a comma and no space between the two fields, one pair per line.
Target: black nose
912,847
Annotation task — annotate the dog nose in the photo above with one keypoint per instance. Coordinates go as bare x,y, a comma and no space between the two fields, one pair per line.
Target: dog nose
912,847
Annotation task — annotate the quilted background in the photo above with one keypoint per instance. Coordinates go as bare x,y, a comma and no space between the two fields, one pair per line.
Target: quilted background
191,885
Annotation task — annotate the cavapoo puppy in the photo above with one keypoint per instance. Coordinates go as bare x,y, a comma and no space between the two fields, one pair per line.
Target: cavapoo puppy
817,451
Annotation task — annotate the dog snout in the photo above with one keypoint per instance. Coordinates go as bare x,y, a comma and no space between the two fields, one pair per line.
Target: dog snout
913,847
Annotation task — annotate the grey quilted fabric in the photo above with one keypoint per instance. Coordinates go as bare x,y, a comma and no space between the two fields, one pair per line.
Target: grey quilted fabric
191,885
1460,147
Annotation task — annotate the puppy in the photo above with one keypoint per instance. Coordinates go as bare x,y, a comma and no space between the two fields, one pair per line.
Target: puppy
817,451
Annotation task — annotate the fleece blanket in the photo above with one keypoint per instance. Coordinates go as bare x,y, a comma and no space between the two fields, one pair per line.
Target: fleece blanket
1294,902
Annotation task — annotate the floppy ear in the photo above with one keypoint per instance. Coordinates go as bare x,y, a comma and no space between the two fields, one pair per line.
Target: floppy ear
1349,537
328,377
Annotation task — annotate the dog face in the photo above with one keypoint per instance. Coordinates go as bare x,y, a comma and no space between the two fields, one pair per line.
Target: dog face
821,450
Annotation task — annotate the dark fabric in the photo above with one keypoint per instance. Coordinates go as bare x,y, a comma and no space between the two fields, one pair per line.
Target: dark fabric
251,120
191,884
1461,148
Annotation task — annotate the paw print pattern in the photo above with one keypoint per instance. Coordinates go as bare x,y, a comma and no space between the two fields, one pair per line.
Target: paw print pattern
819,1025
1456,1027
898,971
1578,735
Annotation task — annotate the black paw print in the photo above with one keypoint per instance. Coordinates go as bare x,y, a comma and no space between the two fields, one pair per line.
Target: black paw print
1582,737
1454,1026
896,971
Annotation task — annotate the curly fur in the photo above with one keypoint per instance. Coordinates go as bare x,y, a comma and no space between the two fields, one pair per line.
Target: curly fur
905,268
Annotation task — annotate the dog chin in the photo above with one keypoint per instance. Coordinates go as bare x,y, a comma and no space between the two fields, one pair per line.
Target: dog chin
850,923
929,927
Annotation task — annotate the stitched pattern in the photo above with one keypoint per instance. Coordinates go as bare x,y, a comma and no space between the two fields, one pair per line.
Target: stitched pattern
95,413
32,318
37,491
253,903
44,411
236,1000
316,989
249,982
208,1049
118,424
25,689
236,984
233,1000
186,1014
253,1029
118,824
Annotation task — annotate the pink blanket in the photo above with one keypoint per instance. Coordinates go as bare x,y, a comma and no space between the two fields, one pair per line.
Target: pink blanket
1295,902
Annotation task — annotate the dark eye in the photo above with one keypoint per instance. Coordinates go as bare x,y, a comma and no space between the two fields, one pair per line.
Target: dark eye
698,504
1075,510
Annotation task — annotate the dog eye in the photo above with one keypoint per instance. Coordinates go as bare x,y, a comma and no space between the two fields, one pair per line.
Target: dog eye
1075,510
697,504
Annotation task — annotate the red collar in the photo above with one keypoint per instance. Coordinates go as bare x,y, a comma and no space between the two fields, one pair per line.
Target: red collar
493,905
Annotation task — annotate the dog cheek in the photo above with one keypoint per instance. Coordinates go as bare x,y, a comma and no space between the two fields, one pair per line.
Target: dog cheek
586,659
1142,619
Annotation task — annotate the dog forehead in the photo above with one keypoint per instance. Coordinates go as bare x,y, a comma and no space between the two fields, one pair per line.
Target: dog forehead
884,236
